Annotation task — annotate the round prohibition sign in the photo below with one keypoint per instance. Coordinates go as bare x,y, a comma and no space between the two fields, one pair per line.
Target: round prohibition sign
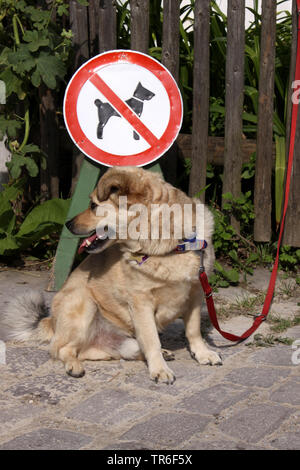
123,108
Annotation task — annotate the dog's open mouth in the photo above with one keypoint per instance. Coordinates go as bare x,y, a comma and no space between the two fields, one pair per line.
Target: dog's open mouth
93,243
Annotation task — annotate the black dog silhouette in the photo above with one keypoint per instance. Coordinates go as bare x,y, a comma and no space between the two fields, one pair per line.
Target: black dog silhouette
136,103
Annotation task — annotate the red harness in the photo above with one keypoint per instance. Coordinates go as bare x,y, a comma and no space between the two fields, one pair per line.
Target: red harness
202,275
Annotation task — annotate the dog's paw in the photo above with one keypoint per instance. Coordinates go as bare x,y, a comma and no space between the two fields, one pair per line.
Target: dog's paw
162,374
74,368
207,357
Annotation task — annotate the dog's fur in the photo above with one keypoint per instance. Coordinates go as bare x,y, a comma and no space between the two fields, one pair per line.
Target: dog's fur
110,307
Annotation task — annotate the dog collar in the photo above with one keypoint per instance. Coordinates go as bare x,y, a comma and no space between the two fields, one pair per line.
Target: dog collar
187,244
191,244
138,259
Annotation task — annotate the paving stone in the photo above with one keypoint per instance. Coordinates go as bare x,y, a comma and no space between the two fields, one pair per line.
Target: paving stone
288,441
188,374
167,429
200,444
293,333
275,355
141,414
48,439
173,336
49,388
257,376
289,393
12,415
285,309
109,406
129,445
260,279
25,359
255,422
214,399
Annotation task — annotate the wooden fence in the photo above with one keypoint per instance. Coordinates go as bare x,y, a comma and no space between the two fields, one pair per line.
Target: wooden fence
94,29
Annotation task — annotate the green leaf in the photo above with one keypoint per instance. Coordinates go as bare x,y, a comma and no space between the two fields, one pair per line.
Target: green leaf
8,244
9,127
13,83
36,39
11,192
18,161
44,219
31,148
6,215
49,67
279,175
21,60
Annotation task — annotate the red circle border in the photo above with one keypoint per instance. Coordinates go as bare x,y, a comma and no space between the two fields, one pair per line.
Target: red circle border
80,78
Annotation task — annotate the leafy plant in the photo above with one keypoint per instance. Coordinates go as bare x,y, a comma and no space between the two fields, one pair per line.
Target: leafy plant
241,208
43,220
33,53
289,258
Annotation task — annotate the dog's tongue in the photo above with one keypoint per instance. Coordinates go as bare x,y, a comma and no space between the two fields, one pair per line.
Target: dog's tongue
87,242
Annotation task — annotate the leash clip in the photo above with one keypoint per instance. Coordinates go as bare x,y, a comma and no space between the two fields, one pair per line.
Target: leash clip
260,315
201,267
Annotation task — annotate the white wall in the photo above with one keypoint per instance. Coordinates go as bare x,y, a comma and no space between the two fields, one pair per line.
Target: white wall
287,5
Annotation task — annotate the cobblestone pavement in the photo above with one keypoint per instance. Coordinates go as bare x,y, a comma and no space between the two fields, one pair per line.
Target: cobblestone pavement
251,402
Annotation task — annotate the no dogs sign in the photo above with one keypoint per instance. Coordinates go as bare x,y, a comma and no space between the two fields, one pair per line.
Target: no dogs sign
123,108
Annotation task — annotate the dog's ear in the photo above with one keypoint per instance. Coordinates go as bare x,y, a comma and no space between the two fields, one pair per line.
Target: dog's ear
121,183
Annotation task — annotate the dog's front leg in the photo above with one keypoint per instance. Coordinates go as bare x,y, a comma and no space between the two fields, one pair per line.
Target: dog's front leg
148,339
74,313
192,321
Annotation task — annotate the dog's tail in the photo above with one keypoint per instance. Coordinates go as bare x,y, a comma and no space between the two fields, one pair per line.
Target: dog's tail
27,317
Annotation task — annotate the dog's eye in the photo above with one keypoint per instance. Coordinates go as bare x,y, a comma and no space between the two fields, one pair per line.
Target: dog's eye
93,205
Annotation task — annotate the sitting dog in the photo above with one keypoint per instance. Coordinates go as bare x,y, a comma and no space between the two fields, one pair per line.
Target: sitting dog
130,287
136,103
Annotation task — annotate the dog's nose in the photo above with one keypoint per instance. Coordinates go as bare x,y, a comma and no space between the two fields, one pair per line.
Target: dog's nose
69,224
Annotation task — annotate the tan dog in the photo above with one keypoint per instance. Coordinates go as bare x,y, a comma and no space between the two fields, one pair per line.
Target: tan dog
114,304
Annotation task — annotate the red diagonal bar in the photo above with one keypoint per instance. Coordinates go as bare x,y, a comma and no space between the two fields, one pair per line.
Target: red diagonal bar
124,110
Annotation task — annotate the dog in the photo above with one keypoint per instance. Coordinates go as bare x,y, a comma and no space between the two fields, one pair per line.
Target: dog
136,103
115,303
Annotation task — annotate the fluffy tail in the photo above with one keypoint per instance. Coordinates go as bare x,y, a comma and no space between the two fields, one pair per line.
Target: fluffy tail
27,317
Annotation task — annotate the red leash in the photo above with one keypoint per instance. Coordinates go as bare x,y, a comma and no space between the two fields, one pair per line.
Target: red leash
202,275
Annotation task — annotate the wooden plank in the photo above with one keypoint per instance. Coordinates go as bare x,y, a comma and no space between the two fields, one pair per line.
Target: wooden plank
80,42
49,132
216,149
263,169
292,222
107,25
200,98
234,98
170,48
68,243
93,17
79,27
139,25
170,58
